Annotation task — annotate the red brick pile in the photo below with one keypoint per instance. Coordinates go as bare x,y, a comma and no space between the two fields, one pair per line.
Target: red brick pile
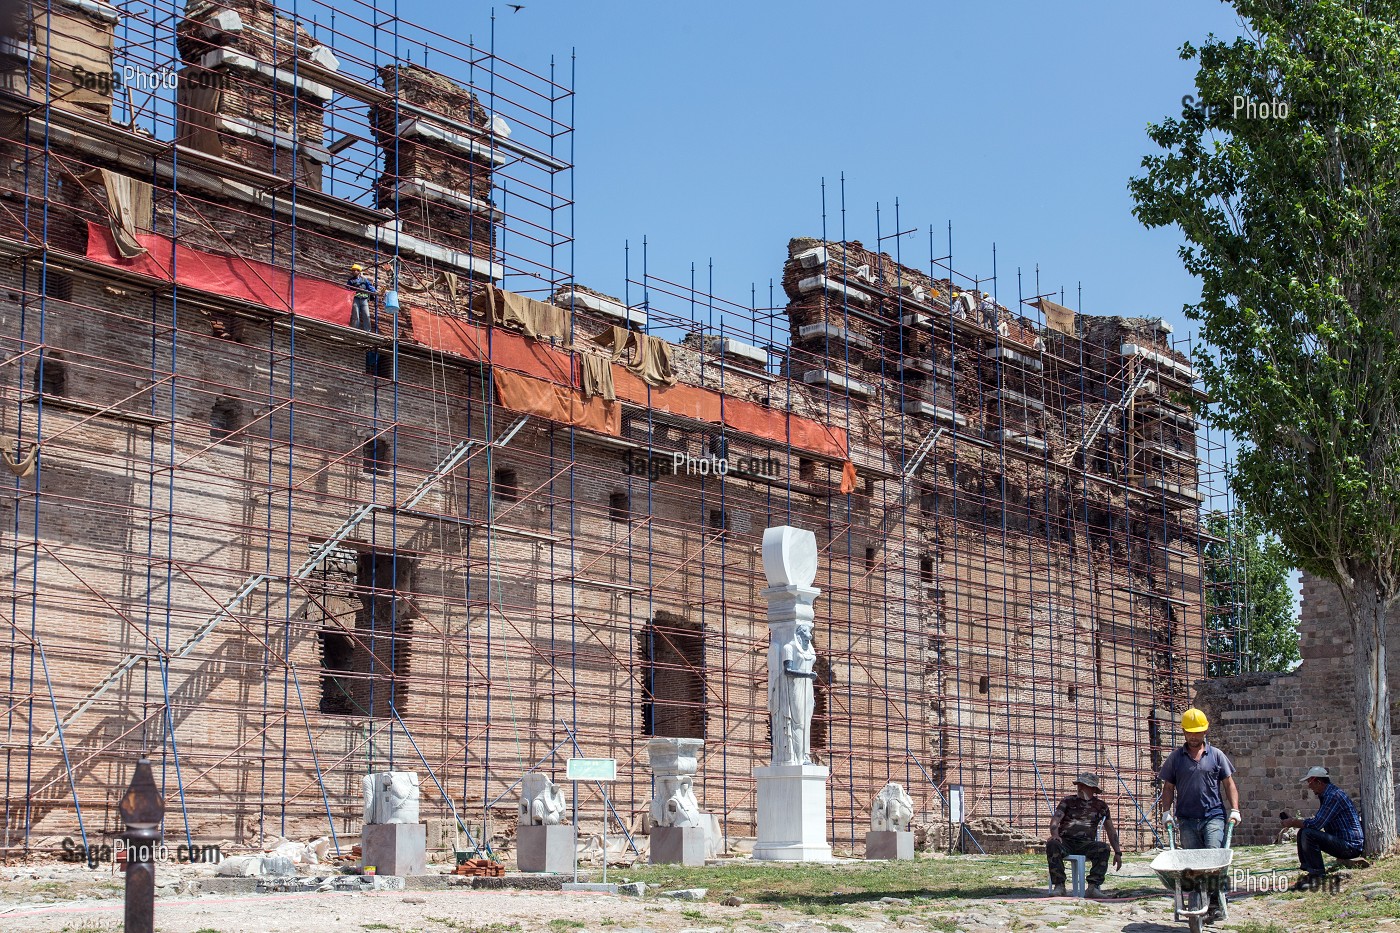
480,867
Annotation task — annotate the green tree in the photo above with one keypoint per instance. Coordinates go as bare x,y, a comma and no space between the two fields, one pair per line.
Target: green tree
1292,226
1251,620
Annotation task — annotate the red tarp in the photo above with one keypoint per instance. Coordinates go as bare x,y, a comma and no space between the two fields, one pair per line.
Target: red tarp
271,286
259,282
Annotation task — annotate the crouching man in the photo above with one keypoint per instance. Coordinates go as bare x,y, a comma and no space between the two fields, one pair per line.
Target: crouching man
1074,830
1334,829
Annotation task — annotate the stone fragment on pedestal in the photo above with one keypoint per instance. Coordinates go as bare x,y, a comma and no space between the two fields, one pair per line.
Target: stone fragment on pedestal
542,844
679,830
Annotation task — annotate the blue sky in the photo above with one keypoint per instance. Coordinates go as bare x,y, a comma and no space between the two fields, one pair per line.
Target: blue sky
708,128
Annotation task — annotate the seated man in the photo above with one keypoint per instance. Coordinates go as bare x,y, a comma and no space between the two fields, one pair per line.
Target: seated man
1074,830
1335,829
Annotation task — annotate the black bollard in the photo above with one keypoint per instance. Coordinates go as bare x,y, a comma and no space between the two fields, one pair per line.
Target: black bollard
141,808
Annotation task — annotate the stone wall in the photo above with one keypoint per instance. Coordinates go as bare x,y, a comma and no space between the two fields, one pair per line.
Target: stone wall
1276,726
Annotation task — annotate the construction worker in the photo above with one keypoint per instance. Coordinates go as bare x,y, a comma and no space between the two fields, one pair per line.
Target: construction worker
1200,779
1074,830
1334,829
364,294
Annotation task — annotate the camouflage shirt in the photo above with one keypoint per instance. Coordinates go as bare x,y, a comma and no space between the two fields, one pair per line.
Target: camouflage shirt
1080,818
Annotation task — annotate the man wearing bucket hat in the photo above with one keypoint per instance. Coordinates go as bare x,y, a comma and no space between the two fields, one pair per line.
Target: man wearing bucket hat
1074,830
1201,780
1334,829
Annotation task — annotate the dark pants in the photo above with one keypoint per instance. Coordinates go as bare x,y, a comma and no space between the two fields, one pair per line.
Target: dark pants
1313,842
1097,852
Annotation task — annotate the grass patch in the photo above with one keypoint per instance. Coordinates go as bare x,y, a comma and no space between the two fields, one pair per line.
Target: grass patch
943,925
467,927
689,913
561,924
1254,926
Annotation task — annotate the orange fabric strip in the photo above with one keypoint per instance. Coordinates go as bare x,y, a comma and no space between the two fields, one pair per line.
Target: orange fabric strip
557,403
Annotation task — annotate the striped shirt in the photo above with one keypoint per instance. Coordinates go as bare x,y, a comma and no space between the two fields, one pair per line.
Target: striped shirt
1336,815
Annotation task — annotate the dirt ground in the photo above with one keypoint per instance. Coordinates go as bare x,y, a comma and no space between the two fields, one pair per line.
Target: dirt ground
957,893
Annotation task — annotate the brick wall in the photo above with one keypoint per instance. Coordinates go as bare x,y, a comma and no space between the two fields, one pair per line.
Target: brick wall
1276,726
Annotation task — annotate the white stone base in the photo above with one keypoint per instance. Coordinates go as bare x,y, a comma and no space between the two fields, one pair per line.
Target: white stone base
889,844
792,813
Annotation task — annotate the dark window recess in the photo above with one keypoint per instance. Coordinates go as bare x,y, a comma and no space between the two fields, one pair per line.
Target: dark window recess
225,419
51,375
821,706
58,286
364,670
806,469
226,326
337,661
719,519
1154,740
1072,693
984,684
719,446
507,485
870,558
379,364
619,506
926,569
672,652
375,456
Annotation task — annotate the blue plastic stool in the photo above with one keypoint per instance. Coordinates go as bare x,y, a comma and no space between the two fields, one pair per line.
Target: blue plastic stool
1076,874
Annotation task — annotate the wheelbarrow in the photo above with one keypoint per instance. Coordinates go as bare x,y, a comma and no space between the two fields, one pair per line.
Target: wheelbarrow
1198,870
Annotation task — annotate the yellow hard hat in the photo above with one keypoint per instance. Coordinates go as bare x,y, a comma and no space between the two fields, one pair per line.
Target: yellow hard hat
1193,720
357,268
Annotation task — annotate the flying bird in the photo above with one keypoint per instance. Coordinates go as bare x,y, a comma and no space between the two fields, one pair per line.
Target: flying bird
516,7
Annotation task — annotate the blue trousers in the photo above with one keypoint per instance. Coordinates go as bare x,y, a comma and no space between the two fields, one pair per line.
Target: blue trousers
1204,834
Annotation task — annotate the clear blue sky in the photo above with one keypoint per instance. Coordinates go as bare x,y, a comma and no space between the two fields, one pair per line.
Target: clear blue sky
708,128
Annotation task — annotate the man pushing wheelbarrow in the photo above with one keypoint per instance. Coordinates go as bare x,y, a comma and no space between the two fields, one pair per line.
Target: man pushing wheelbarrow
1199,778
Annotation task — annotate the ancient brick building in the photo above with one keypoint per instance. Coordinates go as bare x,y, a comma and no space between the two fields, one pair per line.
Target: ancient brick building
519,518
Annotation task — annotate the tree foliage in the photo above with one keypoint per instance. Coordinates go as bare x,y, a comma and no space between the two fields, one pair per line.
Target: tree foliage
1252,622
1292,226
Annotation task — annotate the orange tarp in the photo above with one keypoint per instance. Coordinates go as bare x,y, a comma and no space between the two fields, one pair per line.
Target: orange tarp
557,403
531,358
506,351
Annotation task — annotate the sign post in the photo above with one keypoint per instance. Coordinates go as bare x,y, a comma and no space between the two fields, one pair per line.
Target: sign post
597,770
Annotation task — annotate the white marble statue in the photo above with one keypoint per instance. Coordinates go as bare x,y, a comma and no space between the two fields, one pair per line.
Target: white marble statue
892,810
678,806
391,797
790,565
791,695
541,801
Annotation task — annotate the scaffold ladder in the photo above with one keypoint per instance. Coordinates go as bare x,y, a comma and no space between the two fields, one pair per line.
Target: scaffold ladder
1108,412
448,463
921,452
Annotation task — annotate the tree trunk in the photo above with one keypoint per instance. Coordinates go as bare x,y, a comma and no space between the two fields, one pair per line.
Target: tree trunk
1377,797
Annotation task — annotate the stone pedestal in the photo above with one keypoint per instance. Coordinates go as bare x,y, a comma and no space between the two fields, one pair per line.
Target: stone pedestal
792,813
545,848
678,845
889,844
394,848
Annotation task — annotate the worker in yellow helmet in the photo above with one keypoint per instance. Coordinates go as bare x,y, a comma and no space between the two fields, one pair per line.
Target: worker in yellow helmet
364,294
1200,779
